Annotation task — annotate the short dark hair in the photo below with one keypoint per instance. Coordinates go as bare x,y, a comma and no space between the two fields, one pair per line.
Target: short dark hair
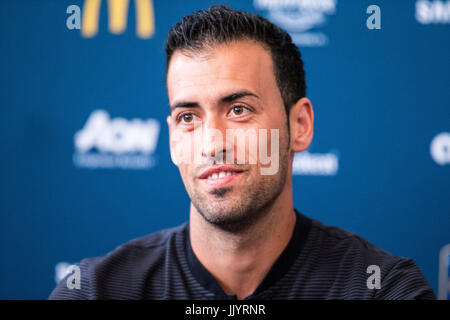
221,24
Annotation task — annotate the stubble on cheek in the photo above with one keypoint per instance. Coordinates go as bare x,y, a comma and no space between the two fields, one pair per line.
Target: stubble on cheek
239,205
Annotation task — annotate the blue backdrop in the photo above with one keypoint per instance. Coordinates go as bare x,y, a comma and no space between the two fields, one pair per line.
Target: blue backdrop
85,162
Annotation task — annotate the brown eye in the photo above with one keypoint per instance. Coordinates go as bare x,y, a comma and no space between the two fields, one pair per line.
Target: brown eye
238,110
187,117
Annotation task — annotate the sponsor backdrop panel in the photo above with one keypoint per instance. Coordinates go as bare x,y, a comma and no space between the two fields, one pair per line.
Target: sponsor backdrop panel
85,162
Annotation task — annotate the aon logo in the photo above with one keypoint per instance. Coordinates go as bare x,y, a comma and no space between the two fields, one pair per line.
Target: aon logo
117,135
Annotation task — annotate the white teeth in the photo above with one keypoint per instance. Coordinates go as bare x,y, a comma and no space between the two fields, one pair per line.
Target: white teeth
219,175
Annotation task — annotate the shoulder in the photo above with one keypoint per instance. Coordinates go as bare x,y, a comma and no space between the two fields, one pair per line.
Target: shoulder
154,241
127,266
335,239
358,268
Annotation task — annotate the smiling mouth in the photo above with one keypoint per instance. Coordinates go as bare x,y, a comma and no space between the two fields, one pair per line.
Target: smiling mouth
220,178
220,175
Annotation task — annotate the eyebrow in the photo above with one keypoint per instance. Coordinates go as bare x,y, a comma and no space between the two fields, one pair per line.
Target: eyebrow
226,99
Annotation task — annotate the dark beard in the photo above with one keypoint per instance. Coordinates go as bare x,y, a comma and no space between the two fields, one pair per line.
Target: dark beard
239,221
220,192
257,204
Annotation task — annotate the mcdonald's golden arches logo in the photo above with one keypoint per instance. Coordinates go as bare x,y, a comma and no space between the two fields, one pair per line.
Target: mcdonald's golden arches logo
117,17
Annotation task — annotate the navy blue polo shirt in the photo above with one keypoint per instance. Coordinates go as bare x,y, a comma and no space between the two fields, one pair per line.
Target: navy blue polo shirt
319,262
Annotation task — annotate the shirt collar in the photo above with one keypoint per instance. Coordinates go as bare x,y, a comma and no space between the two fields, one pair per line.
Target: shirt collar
276,272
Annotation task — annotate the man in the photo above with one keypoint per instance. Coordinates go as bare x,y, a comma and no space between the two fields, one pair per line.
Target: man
228,73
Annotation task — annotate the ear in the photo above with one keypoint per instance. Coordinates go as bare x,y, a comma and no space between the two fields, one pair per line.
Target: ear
301,125
169,122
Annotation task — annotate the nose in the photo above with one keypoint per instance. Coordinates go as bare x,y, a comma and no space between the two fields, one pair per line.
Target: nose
213,145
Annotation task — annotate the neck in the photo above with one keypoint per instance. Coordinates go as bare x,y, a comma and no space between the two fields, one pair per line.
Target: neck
240,261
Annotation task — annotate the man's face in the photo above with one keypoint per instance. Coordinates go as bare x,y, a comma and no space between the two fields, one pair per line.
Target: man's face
227,88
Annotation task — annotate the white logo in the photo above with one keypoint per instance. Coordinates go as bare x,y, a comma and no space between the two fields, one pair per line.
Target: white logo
320,164
116,143
374,280
440,148
299,16
74,279
433,12
374,20
206,146
62,269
